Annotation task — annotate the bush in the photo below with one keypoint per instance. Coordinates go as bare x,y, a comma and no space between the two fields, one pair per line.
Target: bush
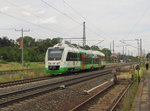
3,62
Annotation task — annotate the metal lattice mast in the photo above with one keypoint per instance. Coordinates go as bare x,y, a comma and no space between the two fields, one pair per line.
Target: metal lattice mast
84,35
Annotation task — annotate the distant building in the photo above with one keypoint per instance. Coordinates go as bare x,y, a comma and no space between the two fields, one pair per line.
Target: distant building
114,57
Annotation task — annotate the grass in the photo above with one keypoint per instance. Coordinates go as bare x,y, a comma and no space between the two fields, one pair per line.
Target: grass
124,75
127,103
131,94
16,66
3,62
21,76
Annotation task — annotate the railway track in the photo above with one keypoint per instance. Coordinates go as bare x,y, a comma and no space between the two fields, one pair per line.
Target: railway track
17,82
118,100
30,92
95,102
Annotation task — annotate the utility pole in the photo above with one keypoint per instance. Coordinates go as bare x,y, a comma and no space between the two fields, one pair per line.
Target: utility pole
22,31
138,47
113,47
141,47
84,35
123,50
110,46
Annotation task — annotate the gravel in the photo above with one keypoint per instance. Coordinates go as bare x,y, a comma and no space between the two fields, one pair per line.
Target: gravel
103,103
51,80
61,100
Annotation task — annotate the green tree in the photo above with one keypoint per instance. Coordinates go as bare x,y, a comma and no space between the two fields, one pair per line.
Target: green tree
6,42
56,41
107,53
86,47
95,47
27,41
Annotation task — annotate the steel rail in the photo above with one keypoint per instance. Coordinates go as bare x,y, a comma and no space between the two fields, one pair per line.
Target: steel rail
17,82
78,107
15,96
113,108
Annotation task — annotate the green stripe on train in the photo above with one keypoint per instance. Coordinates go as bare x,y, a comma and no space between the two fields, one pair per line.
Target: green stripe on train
65,69
60,71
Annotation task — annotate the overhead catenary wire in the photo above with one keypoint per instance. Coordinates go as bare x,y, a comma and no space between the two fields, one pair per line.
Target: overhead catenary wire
7,28
85,19
67,15
138,21
17,18
59,11
30,12
128,44
19,6
80,15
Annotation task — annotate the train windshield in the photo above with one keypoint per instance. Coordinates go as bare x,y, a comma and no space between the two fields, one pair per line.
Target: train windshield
55,54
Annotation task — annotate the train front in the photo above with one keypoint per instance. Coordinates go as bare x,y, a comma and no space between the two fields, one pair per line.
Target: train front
54,61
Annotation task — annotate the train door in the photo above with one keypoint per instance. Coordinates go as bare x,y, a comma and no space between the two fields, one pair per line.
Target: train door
83,61
99,61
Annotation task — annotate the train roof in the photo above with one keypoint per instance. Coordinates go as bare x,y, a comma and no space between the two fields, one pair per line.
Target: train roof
79,49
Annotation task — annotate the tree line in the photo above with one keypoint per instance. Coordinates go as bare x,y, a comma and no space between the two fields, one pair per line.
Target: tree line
34,50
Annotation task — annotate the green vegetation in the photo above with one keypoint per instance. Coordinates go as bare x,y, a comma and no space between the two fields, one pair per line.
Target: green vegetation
34,50
3,62
21,76
15,66
127,103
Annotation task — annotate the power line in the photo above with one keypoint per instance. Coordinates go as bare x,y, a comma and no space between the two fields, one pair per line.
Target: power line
100,30
22,8
128,44
6,28
84,19
139,20
16,5
31,23
94,32
59,11
74,10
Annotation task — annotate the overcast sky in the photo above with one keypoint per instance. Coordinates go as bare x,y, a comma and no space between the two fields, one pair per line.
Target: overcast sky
106,20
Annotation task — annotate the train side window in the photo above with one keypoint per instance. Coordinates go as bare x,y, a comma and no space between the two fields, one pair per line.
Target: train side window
73,56
78,57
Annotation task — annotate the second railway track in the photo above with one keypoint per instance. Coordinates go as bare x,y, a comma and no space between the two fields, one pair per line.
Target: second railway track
107,99
18,95
17,82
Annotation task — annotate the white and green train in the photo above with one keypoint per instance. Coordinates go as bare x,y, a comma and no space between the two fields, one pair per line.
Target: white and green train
64,58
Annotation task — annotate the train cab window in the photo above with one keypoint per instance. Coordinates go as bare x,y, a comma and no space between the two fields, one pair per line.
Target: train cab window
55,54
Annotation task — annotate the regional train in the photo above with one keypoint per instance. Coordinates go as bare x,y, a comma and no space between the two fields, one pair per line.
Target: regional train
64,58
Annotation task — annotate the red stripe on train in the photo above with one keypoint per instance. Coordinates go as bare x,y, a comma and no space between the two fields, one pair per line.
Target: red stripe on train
83,61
